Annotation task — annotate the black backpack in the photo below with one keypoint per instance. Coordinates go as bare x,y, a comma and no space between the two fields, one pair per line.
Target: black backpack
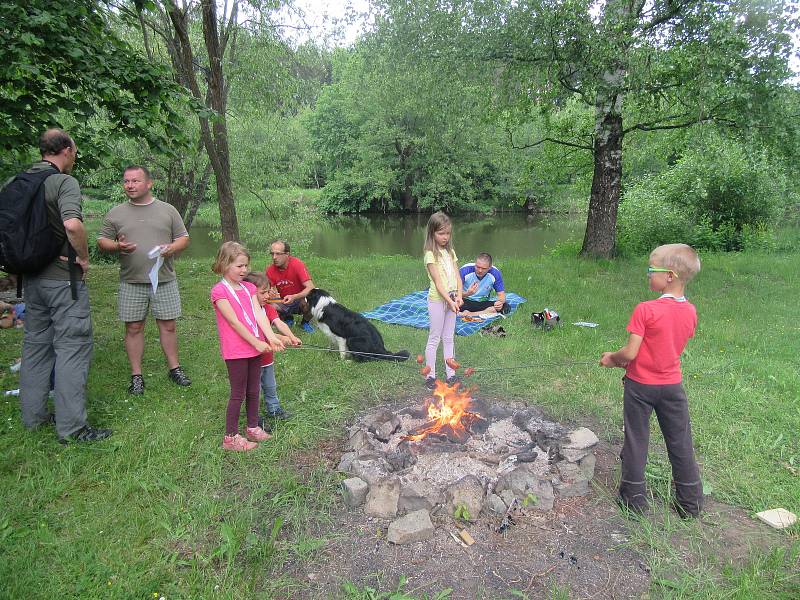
28,242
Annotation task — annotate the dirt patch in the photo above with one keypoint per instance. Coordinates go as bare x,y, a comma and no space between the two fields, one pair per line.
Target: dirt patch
581,548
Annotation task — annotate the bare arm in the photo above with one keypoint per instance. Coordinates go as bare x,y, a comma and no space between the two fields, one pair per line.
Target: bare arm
226,310
120,245
176,246
307,287
501,299
261,320
76,234
286,331
624,355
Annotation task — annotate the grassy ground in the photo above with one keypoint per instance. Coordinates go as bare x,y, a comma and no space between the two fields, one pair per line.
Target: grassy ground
159,510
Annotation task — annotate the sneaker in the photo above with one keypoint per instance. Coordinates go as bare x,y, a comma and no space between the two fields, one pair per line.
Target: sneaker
452,380
430,383
279,414
136,388
87,434
237,443
179,377
307,327
256,434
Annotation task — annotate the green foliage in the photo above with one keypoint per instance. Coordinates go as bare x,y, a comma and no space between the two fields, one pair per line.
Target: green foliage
717,196
64,66
461,512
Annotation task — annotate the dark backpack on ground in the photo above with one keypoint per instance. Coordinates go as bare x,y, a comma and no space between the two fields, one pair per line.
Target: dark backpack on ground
28,242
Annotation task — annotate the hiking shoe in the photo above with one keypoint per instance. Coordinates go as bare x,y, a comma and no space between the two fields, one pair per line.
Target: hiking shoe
236,443
136,388
631,508
179,377
683,512
87,434
262,422
453,380
279,414
256,434
430,383
307,327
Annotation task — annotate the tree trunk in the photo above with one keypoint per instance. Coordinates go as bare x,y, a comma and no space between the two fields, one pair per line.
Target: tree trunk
601,223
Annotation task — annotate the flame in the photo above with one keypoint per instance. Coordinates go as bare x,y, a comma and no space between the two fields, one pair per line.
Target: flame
449,413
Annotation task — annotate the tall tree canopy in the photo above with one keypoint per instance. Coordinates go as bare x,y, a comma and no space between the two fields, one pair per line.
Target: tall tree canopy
63,65
641,65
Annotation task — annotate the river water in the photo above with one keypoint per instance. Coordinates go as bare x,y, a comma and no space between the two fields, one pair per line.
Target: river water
502,235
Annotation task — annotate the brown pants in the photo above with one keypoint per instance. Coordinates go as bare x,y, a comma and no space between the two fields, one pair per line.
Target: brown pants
672,411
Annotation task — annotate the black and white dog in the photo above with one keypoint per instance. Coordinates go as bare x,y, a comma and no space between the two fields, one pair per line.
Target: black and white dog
348,331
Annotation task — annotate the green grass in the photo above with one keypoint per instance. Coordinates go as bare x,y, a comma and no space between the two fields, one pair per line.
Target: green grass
159,509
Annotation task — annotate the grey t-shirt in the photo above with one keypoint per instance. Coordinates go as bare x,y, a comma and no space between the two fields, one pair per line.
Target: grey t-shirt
147,226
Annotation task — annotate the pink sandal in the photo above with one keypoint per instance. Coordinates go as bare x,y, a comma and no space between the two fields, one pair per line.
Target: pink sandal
256,434
237,443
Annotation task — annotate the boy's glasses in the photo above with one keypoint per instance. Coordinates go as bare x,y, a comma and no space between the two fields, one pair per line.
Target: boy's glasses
661,270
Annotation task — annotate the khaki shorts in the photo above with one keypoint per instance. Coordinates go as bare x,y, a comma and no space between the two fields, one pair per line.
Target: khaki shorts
136,298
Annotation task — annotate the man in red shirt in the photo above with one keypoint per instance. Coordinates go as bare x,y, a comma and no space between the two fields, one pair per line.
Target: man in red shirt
291,282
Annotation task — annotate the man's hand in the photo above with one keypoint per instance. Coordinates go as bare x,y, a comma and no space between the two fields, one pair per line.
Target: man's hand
498,305
124,246
167,250
288,299
472,289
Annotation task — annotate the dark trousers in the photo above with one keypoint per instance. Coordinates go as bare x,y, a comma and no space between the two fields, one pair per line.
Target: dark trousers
244,375
478,306
672,412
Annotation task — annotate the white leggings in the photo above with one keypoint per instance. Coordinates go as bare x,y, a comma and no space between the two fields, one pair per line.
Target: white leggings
443,327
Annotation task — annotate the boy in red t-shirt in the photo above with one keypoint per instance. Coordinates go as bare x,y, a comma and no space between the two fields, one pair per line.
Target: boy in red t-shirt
659,330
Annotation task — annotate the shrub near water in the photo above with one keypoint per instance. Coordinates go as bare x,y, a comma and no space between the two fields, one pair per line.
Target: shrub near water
716,197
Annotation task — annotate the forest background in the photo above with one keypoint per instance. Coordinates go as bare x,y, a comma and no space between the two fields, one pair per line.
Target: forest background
658,120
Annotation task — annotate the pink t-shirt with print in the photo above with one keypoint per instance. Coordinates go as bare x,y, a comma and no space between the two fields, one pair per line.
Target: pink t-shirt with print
231,344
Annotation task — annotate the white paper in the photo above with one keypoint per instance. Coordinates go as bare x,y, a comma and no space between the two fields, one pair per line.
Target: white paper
586,324
153,275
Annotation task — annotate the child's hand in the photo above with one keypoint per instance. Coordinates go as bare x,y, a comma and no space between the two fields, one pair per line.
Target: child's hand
459,301
607,360
276,344
261,346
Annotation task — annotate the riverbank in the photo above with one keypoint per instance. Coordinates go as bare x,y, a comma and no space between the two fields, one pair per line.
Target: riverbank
158,509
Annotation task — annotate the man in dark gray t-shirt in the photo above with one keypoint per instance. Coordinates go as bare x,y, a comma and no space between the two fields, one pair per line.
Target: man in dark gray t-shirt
58,325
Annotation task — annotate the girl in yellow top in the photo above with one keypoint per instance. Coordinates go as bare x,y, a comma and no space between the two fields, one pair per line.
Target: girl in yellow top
444,294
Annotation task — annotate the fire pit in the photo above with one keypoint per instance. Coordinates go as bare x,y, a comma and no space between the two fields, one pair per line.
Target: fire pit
471,457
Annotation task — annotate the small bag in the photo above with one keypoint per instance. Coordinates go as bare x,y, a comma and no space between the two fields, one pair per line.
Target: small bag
545,320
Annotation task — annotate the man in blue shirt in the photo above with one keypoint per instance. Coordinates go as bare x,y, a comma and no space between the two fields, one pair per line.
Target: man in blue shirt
484,293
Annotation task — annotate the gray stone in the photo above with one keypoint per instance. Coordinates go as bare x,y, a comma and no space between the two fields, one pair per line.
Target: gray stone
359,441
587,464
382,424
371,471
496,504
572,480
417,496
382,498
522,482
507,496
467,492
413,527
400,459
579,443
354,491
346,462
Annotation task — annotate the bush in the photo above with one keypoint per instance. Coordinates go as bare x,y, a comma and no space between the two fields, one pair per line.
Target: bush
718,196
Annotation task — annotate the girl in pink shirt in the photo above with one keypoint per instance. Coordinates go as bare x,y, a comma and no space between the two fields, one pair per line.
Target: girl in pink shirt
244,335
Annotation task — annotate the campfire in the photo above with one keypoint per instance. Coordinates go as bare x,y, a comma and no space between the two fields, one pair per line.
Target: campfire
449,413
465,455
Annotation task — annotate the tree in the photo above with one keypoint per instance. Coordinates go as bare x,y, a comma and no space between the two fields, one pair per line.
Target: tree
667,63
63,66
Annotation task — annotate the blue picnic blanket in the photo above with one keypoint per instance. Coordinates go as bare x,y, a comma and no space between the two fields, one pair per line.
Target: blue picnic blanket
412,310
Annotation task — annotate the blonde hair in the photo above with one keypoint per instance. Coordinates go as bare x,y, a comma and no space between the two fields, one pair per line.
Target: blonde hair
228,252
258,279
437,222
681,258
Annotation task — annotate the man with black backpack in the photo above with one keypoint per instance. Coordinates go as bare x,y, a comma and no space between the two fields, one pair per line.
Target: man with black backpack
58,326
